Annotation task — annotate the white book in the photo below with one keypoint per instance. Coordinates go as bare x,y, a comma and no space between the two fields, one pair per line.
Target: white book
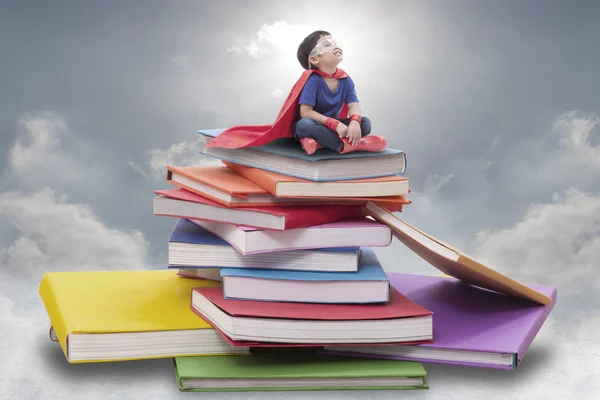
192,246
369,284
356,232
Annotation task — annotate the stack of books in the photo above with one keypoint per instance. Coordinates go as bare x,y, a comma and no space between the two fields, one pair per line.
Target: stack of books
273,283
307,278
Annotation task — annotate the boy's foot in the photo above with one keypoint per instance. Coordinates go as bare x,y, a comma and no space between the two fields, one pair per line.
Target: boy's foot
371,143
310,145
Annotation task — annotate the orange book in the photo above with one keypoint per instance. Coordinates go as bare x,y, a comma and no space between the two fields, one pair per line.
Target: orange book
284,186
231,189
452,261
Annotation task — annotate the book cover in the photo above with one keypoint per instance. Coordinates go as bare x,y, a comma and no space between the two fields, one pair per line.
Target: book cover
191,246
286,156
119,302
398,307
453,262
271,182
354,232
284,371
231,189
369,284
467,319
188,232
219,177
293,217
288,147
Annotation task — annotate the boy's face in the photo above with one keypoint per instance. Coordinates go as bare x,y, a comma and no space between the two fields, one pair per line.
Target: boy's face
326,53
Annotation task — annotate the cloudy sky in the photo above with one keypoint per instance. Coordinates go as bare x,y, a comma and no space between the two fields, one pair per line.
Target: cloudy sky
495,103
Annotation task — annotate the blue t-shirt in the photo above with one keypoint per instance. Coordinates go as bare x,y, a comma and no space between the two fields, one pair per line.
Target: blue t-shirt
317,94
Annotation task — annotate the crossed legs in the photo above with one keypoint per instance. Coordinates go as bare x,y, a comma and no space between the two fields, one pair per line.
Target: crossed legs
314,136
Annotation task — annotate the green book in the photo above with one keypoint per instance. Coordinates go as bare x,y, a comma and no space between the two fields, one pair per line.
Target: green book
272,372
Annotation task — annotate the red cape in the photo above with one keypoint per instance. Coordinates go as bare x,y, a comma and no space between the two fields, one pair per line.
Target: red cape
258,135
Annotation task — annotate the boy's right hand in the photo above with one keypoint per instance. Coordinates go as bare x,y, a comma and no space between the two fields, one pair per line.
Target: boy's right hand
342,130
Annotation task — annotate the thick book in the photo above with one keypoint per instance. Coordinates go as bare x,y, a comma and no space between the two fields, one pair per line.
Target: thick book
471,326
226,186
286,156
369,284
114,315
285,186
355,232
191,246
272,324
454,262
180,203
297,372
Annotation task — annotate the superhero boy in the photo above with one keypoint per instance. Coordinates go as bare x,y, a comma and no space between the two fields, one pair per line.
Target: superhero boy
321,110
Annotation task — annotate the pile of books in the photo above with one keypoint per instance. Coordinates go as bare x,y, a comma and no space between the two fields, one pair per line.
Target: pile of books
273,283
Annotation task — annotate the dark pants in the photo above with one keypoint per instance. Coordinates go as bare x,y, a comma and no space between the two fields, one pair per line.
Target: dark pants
309,128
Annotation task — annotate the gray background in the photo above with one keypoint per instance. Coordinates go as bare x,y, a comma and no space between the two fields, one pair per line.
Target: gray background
494,102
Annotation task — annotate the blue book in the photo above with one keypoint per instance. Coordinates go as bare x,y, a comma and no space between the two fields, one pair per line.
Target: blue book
369,284
191,246
286,156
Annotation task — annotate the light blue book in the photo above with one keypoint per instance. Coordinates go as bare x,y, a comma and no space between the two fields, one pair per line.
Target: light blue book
368,285
286,156
191,246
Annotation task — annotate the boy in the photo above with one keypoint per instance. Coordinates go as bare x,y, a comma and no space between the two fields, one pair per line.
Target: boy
322,100
317,122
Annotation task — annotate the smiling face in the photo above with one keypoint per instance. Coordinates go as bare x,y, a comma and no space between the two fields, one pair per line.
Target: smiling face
326,54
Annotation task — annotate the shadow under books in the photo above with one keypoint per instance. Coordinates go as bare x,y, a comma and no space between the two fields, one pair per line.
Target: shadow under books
53,356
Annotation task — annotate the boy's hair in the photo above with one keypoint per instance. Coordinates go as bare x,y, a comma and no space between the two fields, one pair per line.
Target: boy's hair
307,45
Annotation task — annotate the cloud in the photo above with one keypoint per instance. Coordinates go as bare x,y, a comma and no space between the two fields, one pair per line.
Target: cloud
34,367
435,182
38,153
578,135
576,156
15,351
549,239
55,235
557,244
52,234
269,37
186,153
277,93
49,233
495,184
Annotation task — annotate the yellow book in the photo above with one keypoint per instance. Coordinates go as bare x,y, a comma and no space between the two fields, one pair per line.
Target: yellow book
128,315
454,262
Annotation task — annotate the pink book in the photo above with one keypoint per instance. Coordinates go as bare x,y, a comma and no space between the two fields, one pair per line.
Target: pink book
354,232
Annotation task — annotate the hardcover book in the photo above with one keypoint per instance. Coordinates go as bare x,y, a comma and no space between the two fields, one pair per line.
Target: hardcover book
471,326
305,372
286,156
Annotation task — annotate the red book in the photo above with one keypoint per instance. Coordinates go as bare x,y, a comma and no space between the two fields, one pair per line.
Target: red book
183,204
273,324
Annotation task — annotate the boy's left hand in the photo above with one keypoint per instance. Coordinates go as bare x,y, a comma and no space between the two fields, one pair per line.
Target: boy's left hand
354,133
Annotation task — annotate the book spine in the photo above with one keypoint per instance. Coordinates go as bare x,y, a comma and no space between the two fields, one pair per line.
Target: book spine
56,318
535,329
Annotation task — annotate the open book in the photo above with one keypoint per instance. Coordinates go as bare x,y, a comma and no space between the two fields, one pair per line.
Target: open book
452,261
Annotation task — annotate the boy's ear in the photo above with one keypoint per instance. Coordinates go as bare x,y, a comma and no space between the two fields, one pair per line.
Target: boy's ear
314,60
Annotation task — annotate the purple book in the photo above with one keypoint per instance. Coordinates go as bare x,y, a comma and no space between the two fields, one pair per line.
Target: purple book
471,326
